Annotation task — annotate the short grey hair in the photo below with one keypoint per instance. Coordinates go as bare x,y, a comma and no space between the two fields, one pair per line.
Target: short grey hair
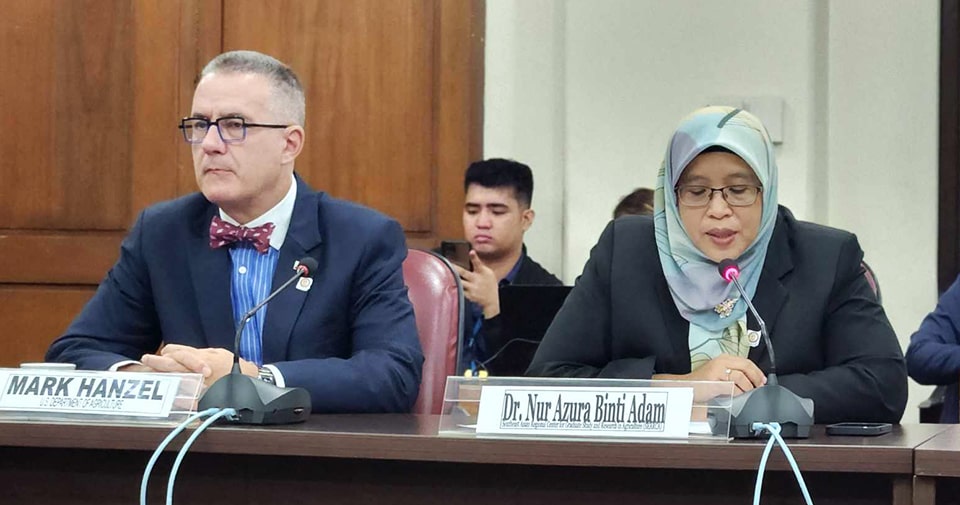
288,93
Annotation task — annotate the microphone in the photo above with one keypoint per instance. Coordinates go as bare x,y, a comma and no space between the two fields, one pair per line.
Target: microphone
730,271
770,402
256,401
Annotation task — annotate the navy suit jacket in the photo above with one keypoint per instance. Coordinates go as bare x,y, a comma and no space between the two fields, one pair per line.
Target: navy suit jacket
351,340
933,356
832,339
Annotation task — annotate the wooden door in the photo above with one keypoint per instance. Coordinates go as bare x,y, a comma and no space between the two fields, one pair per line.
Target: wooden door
92,90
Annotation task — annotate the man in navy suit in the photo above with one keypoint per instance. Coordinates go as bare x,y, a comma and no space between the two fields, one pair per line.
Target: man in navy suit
191,267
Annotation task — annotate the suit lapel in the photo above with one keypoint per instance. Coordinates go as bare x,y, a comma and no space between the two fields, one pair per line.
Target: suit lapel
210,272
303,238
675,327
771,294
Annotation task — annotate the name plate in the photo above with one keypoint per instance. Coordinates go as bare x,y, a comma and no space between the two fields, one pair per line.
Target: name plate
102,393
636,412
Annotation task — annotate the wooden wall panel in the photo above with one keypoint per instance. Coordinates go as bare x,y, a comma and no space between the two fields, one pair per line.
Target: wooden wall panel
377,96
27,151
92,90
69,138
92,116
33,317
201,38
366,68
57,258
459,126
154,141
89,103
90,106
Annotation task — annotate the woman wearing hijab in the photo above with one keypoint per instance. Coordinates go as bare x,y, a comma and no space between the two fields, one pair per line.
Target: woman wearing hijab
651,304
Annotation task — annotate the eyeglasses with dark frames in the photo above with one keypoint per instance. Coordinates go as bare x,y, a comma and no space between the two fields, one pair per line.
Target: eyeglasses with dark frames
738,195
232,129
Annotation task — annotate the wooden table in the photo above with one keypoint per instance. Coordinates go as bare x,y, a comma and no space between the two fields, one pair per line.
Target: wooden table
937,467
361,459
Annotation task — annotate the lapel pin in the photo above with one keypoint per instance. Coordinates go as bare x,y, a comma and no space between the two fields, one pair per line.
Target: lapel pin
754,337
304,284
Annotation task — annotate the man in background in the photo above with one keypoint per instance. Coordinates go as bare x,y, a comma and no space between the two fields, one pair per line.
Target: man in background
638,203
496,214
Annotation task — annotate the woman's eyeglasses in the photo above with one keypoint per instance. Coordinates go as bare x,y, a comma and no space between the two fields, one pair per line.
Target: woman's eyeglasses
739,195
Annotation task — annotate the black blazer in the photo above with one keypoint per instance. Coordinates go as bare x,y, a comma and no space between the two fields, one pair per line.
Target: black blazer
833,341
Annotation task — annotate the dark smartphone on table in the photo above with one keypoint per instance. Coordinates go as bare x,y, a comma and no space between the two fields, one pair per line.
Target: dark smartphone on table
859,429
457,252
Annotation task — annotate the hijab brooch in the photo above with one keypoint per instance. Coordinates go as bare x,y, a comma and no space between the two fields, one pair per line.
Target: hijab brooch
725,308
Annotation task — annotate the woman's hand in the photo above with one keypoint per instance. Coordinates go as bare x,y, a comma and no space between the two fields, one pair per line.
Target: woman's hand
742,372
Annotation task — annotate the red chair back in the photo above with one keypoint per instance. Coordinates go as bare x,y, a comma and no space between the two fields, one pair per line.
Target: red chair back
437,297
871,279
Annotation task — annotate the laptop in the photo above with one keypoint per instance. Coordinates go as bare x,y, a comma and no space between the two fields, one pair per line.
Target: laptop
525,313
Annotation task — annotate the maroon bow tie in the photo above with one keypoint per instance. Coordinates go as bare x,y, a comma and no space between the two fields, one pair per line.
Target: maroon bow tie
223,233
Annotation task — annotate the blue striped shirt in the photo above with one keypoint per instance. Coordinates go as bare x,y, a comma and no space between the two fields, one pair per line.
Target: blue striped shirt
250,282
251,277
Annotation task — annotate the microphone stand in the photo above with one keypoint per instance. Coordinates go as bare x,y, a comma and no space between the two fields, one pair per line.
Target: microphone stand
301,271
258,402
772,376
770,402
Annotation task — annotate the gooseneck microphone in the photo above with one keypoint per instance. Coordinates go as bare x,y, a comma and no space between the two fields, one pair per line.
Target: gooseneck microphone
306,267
770,402
256,401
730,271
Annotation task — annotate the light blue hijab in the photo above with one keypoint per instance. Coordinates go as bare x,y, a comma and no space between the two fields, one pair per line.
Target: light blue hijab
694,282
